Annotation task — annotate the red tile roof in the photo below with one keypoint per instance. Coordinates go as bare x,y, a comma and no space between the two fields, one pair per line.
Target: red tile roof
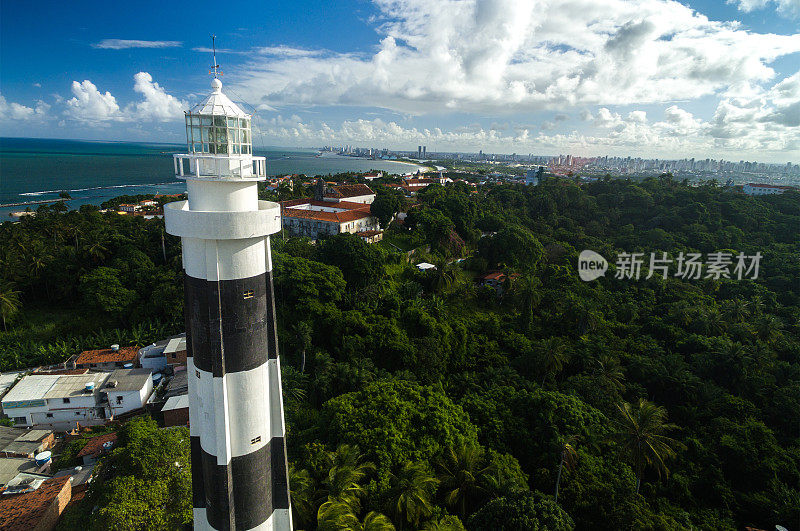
94,447
106,355
21,512
353,211
350,190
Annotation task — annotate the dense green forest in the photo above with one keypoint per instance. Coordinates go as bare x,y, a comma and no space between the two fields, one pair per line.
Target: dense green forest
421,400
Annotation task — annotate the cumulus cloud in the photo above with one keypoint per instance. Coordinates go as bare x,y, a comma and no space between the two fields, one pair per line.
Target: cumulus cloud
123,44
505,56
157,104
786,8
11,111
89,104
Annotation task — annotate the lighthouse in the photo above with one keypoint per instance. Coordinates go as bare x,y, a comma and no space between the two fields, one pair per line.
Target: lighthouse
236,425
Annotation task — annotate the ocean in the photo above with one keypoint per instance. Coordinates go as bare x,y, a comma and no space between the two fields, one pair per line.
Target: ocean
92,172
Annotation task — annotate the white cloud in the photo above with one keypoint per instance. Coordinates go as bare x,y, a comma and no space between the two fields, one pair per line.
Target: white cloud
90,105
507,56
786,8
123,44
157,104
11,111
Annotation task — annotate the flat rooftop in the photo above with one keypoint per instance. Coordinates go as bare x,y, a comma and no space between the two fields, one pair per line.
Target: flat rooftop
46,386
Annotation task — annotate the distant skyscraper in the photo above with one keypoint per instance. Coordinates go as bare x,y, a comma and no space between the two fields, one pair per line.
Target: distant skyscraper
236,426
424,152
419,152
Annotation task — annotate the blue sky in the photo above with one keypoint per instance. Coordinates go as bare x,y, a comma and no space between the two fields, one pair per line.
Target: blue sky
652,78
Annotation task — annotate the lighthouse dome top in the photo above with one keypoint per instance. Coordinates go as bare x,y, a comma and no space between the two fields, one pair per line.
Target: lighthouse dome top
218,104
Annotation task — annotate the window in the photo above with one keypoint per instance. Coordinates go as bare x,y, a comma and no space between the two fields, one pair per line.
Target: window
77,413
66,400
119,400
249,294
173,355
197,373
49,415
20,420
256,440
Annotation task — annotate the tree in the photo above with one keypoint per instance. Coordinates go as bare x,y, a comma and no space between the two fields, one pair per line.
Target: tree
568,458
303,496
302,333
9,303
552,355
461,472
532,511
640,431
347,470
396,421
513,246
103,290
361,263
336,515
385,206
412,491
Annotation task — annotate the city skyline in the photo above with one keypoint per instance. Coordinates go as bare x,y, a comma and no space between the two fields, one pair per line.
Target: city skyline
584,78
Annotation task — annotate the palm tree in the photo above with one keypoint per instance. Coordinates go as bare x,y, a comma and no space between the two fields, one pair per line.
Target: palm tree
414,487
527,296
640,431
737,310
552,355
336,515
608,369
569,457
302,332
9,303
461,473
347,470
767,328
303,496
444,275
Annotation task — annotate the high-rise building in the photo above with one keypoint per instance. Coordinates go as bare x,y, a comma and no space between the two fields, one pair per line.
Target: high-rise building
419,152
236,425
424,152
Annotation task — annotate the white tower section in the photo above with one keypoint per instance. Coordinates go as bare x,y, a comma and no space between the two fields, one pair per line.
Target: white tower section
236,425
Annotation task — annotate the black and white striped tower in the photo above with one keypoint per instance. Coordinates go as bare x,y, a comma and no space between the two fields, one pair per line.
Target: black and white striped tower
236,427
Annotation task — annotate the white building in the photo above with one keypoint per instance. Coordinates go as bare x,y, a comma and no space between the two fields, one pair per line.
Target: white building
765,189
61,401
126,390
312,218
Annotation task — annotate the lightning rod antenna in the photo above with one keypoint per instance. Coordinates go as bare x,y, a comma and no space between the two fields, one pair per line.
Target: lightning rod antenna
215,67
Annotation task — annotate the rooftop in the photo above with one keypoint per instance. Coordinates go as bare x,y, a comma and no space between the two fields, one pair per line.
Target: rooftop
11,466
350,190
95,446
176,402
127,380
8,379
176,344
20,440
107,355
218,104
24,511
179,385
45,386
342,212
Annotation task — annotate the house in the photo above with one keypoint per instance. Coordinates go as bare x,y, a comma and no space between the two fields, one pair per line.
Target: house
178,385
126,390
60,402
370,236
314,218
106,359
176,411
175,351
37,509
57,401
96,448
128,208
7,381
168,352
81,477
765,189
19,442
425,266
353,193
12,467
372,176
496,280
